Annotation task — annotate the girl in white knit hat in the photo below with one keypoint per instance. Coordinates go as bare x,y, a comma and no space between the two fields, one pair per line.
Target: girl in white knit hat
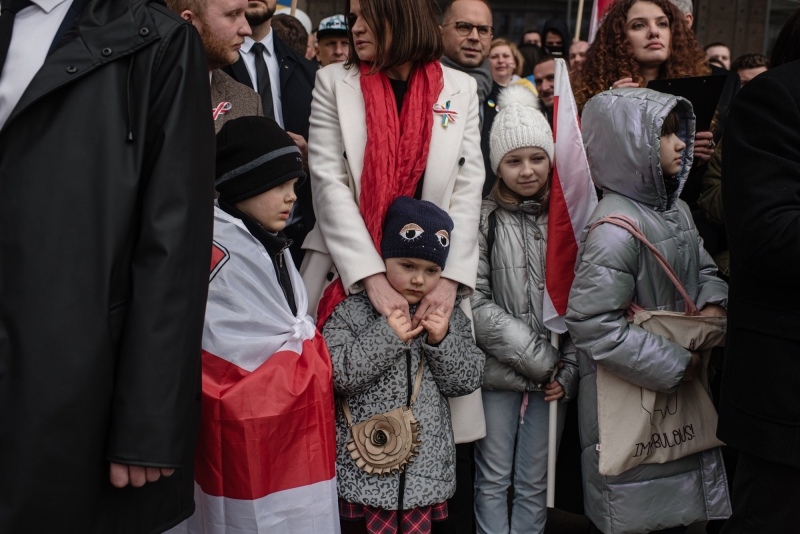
507,307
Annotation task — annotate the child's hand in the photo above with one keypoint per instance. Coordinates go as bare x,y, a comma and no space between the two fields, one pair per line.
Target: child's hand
402,326
554,391
437,325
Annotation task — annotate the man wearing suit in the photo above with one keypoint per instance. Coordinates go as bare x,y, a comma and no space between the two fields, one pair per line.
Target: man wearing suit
284,80
222,36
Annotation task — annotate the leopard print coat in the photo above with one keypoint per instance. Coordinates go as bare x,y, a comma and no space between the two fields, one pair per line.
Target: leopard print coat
370,370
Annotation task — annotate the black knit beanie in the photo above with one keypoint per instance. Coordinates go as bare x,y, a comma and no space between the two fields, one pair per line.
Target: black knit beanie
416,229
254,155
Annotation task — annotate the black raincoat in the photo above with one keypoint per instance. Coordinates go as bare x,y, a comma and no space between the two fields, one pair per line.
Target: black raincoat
106,199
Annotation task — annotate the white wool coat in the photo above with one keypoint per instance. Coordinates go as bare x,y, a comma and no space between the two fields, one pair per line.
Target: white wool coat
340,244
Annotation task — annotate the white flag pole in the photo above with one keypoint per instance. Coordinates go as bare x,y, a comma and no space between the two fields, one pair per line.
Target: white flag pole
578,23
552,442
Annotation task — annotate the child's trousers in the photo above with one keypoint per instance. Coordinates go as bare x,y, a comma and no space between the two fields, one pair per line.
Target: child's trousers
495,456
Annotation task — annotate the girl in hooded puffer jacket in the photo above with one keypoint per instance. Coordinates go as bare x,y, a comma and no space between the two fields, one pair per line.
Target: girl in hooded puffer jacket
640,149
507,308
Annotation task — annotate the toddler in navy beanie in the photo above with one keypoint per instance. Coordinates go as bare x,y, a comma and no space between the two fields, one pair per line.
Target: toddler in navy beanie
414,246
416,229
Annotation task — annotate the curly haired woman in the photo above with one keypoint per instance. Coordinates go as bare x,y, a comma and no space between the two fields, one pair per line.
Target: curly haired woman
639,41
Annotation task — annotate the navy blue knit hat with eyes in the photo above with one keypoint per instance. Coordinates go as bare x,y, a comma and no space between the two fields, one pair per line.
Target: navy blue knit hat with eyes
416,229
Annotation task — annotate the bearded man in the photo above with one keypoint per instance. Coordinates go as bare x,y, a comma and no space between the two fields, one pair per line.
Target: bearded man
222,27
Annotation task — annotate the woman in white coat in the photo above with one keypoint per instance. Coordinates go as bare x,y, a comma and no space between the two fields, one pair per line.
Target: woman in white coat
390,122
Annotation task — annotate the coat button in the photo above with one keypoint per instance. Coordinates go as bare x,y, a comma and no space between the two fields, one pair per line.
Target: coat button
537,237
106,52
72,69
461,162
543,336
330,277
344,154
144,31
540,286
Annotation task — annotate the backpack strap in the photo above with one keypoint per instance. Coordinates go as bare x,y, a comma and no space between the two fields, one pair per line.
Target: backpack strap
490,233
629,225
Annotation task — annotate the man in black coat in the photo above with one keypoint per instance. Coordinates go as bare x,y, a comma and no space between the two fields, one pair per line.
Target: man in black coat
106,198
760,402
284,79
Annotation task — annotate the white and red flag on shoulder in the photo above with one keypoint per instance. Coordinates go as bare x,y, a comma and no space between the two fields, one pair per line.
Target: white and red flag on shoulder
598,12
572,201
266,455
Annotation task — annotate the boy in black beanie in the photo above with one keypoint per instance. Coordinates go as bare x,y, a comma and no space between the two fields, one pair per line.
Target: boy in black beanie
267,418
259,168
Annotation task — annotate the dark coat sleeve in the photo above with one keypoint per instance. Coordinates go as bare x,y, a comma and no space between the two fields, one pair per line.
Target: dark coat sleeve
157,377
762,182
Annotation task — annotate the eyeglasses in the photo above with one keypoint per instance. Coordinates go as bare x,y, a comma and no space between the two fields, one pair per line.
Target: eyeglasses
465,28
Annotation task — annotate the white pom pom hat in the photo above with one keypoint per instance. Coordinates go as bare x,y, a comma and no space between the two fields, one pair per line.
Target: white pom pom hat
519,124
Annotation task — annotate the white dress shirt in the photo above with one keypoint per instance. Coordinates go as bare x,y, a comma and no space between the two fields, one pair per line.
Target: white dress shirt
249,58
35,27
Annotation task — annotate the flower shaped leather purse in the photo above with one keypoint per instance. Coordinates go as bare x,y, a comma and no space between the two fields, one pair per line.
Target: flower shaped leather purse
385,443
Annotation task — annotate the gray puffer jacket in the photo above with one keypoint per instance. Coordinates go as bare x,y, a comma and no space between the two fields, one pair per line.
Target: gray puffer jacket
507,303
370,369
621,131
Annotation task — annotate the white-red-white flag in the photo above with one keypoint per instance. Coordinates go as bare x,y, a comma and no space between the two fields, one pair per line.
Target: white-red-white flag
598,11
572,201
266,455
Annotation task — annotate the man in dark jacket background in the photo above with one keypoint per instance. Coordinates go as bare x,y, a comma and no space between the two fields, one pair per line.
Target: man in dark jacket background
284,79
106,189
760,405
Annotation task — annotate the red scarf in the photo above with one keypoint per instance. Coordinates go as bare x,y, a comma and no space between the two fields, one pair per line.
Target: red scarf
395,155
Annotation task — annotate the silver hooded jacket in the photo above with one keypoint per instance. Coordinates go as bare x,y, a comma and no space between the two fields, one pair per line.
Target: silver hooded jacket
621,131
507,303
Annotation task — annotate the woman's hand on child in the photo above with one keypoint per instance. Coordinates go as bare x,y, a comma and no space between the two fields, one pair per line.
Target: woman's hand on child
693,369
442,297
121,475
436,324
713,310
402,326
384,297
703,147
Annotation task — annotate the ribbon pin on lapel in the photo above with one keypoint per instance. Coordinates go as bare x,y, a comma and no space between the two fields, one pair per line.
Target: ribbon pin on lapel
221,109
447,114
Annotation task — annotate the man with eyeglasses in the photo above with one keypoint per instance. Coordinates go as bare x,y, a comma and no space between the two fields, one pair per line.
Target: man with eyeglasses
467,36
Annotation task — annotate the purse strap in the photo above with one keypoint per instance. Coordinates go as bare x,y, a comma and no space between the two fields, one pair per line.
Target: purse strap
629,225
417,384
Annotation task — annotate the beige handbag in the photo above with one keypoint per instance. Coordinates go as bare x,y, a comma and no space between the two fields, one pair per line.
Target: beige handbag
385,443
640,426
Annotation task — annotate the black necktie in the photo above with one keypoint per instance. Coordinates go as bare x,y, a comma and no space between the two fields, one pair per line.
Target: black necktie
8,12
262,81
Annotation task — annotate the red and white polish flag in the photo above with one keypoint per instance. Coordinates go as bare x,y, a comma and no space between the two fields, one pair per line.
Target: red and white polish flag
266,456
598,11
572,201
